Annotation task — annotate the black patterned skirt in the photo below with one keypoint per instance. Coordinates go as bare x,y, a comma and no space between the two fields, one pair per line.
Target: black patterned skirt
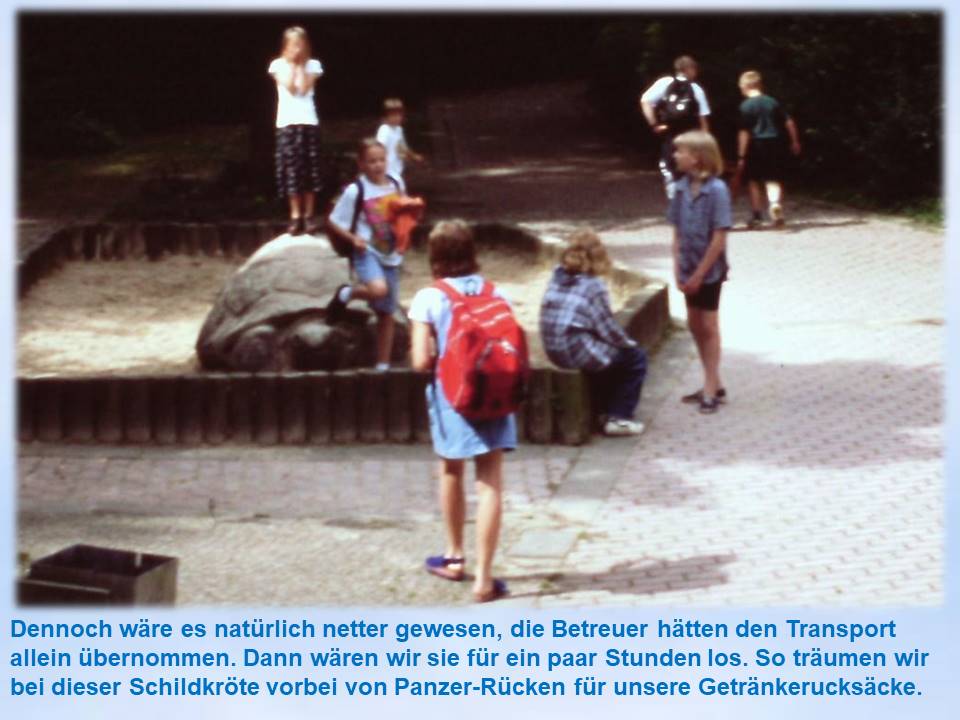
298,159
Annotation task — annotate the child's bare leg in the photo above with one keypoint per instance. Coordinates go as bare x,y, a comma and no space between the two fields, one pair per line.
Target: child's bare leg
453,505
695,324
710,352
385,327
756,197
295,206
489,512
374,290
309,204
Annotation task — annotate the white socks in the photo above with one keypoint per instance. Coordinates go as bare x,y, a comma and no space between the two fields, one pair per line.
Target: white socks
381,367
344,295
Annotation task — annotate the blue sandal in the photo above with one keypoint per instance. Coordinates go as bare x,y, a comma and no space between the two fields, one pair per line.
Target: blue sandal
439,565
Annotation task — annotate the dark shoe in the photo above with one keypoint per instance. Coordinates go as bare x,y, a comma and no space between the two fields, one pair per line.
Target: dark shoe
709,405
336,307
440,566
499,590
696,397
296,226
311,226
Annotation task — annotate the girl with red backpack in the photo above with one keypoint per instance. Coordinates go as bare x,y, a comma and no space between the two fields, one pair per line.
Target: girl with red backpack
463,329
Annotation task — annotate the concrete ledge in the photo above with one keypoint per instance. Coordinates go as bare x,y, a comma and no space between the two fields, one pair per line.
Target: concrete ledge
313,408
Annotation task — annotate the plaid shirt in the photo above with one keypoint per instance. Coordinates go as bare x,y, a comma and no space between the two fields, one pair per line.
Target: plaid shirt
577,326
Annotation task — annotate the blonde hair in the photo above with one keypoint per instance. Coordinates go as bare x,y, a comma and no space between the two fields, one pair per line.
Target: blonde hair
703,146
393,105
751,79
366,145
585,253
295,32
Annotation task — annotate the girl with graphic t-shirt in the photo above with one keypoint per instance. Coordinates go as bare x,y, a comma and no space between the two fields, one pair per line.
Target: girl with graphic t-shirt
456,439
298,143
376,259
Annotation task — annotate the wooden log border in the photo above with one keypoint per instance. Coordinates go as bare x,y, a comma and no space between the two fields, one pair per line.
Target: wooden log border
293,408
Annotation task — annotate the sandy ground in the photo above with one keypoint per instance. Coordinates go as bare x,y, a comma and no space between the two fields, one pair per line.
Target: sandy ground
137,316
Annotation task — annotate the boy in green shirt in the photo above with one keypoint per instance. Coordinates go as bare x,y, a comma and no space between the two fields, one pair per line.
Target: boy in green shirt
761,147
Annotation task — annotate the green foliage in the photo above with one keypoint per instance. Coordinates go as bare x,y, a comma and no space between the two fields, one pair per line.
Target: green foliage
865,90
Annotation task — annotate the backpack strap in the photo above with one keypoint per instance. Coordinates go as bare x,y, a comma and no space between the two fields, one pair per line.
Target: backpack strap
357,206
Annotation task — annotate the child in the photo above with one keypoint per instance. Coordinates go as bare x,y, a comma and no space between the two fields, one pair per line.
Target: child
700,215
672,105
578,330
298,144
375,259
390,134
456,439
760,147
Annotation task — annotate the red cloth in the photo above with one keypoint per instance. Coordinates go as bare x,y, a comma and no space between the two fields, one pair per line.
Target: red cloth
403,214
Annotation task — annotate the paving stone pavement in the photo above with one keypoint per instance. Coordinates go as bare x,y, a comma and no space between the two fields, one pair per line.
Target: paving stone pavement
819,482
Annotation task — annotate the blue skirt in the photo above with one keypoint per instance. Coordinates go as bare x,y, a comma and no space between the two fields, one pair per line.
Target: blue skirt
456,438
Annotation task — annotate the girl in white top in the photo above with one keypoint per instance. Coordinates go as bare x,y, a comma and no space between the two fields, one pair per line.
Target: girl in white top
298,143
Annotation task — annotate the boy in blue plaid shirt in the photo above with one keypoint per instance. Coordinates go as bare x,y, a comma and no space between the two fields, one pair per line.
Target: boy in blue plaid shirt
579,331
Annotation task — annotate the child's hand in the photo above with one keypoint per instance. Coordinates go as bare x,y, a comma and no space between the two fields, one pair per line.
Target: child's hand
360,244
795,148
692,285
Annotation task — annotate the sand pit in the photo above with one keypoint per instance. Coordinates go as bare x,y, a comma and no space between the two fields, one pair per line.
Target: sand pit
139,317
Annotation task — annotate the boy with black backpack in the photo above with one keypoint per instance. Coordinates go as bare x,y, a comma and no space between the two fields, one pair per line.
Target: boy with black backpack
673,105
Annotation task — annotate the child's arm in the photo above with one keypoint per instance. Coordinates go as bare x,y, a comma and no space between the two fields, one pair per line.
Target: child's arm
718,243
676,255
283,74
794,134
743,142
605,325
309,71
407,152
358,242
421,345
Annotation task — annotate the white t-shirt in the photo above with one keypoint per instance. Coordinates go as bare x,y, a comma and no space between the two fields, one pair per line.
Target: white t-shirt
295,109
392,138
655,93
432,306
375,198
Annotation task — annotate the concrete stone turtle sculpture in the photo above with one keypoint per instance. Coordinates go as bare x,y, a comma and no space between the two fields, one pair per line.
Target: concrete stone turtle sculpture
270,315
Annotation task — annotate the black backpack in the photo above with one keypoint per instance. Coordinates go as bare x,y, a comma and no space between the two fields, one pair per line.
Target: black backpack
341,246
678,109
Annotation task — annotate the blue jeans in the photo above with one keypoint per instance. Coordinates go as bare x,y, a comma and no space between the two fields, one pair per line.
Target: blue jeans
616,389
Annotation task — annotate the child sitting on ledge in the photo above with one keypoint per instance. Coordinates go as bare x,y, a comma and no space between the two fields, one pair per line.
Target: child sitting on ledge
579,332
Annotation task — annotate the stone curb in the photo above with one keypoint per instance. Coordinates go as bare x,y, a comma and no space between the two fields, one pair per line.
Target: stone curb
285,408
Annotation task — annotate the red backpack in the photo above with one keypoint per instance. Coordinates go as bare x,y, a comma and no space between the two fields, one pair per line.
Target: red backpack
485,365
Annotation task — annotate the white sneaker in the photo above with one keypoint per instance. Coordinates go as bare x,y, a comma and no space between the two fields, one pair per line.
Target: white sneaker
776,214
619,427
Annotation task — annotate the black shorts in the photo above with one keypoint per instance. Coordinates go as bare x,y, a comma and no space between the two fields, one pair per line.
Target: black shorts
706,298
766,160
